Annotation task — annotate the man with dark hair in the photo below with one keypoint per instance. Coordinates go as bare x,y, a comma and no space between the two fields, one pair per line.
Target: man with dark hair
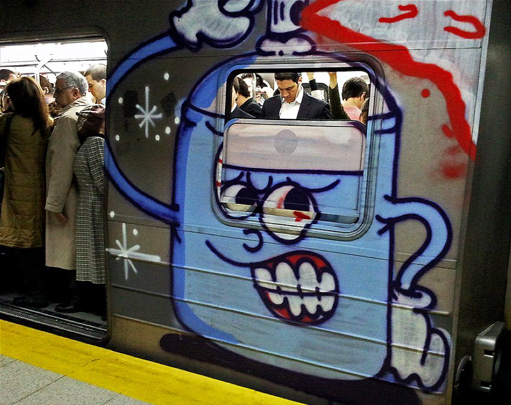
96,78
293,102
48,95
354,92
243,99
236,112
8,75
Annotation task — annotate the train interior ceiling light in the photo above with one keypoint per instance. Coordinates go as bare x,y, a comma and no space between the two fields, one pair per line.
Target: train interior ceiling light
52,58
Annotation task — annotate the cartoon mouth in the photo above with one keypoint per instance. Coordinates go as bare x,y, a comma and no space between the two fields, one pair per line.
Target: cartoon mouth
298,286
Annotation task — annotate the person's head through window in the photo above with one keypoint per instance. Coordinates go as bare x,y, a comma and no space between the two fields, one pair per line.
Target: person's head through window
289,85
354,92
241,90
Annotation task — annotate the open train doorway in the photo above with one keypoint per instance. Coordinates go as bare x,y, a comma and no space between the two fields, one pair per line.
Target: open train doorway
44,61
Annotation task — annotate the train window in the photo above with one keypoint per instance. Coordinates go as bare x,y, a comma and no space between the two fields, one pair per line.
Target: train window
288,172
343,92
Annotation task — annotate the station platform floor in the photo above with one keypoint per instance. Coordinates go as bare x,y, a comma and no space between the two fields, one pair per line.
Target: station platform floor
40,368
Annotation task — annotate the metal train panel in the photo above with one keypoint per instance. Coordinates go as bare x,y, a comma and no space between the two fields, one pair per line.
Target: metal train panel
344,275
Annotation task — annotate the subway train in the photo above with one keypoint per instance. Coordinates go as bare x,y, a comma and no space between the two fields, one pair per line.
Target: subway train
321,260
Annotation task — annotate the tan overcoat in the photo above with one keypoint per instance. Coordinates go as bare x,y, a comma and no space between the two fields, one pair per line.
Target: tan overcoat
62,188
22,213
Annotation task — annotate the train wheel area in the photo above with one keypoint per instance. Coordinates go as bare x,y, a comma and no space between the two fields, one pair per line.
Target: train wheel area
133,377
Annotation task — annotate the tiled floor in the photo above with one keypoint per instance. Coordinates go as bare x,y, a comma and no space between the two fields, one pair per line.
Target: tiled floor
24,384
41,368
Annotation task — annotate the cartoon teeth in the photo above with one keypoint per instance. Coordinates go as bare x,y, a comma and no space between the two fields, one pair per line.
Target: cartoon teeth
300,287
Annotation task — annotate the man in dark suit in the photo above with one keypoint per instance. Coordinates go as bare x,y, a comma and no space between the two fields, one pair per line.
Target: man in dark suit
243,99
236,112
293,102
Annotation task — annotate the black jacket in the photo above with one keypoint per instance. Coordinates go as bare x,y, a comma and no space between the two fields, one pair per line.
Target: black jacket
238,113
250,106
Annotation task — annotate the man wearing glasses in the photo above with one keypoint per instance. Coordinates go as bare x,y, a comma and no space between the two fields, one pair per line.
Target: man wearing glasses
62,189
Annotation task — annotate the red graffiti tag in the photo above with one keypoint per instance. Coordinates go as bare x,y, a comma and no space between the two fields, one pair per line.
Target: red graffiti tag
452,170
411,13
300,216
403,62
479,32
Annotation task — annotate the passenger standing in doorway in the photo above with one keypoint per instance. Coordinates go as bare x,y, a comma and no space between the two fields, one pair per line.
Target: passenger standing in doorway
22,209
6,76
48,95
62,189
90,223
96,78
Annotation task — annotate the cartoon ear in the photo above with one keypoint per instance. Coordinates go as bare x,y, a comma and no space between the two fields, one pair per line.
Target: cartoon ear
479,32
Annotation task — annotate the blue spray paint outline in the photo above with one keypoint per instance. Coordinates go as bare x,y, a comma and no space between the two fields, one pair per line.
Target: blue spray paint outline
162,44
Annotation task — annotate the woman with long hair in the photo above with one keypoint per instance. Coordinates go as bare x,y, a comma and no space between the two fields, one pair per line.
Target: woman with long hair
22,215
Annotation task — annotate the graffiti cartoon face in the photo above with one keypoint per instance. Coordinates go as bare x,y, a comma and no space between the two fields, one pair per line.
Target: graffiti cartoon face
278,247
282,242
285,180
282,236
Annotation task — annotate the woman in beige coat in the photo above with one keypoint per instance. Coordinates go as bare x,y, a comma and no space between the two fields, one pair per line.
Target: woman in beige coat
22,210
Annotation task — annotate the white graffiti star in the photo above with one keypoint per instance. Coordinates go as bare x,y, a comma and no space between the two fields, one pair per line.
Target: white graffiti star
147,116
127,253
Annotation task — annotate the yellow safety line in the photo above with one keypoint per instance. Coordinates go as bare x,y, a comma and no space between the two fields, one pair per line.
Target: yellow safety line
136,378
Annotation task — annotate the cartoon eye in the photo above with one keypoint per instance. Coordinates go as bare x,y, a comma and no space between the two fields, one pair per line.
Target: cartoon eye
240,200
288,205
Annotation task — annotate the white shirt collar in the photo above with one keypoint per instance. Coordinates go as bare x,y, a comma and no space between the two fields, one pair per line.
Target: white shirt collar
298,99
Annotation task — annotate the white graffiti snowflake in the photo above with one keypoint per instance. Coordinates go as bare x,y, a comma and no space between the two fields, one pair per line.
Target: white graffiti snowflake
127,253
147,116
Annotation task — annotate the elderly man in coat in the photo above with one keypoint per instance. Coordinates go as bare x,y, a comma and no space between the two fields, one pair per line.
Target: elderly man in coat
62,190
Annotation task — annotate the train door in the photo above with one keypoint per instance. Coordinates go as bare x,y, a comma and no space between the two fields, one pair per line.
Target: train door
44,61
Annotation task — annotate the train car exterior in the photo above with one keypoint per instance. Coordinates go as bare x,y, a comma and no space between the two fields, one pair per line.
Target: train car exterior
318,260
